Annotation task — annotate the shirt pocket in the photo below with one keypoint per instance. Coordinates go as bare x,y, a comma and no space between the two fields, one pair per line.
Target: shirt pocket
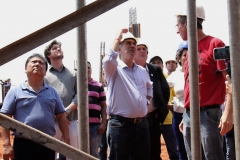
142,88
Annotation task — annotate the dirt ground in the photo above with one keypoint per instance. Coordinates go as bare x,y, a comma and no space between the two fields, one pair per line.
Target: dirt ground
164,154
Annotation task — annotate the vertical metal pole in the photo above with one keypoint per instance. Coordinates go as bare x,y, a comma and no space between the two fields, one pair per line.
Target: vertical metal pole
82,89
100,66
194,82
234,39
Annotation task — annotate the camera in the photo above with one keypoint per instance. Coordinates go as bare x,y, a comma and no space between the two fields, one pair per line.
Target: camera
222,53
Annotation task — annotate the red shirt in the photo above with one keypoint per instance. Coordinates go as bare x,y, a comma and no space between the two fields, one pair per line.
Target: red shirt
211,85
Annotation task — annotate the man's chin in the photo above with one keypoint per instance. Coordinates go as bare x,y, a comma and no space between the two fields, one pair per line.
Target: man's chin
58,57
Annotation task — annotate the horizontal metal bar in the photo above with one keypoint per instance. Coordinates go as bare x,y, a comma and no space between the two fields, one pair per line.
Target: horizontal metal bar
56,29
43,139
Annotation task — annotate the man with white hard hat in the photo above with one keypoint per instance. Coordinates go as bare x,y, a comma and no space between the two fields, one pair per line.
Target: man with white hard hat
160,113
211,87
129,91
171,65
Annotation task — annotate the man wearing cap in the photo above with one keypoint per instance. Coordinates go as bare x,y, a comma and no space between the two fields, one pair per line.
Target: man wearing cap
211,87
171,65
64,81
129,92
160,98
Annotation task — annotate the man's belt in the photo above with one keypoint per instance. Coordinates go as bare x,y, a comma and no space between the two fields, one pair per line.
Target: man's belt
132,120
204,108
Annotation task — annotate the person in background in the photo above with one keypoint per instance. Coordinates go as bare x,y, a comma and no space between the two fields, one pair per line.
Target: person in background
64,80
176,81
103,147
36,104
166,126
171,65
129,92
7,85
229,136
160,111
97,112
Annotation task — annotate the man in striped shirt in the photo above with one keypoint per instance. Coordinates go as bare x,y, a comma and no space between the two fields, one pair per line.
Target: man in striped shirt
97,112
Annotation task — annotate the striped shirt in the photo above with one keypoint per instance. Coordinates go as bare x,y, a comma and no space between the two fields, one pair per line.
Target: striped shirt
96,95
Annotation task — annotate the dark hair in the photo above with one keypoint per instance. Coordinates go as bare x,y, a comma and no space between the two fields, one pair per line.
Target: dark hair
39,56
156,57
179,55
48,48
183,19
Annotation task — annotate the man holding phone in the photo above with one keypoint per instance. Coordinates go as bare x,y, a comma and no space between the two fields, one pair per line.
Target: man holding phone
211,86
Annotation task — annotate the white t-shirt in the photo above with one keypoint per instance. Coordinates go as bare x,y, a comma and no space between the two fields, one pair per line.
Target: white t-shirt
176,80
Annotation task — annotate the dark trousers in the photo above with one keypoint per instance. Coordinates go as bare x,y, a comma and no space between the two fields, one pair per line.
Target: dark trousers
28,150
154,131
230,145
177,118
127,139
171,144
103,145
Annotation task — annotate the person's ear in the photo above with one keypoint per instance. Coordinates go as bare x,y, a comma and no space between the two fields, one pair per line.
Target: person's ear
185,23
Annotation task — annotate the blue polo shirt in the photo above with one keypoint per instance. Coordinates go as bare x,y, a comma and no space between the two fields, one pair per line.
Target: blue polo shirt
37,110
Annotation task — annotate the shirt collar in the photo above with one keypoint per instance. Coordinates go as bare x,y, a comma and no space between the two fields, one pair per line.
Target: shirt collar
92,81
24,86
123,65
51,68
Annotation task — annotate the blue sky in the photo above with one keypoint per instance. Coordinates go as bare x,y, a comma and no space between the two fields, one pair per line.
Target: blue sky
22,17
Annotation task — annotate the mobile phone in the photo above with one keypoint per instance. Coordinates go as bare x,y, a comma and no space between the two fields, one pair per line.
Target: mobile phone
221,53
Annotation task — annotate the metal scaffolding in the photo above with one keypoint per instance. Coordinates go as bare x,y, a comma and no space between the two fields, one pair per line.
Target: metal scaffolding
86,13
25,44
194,81
234,40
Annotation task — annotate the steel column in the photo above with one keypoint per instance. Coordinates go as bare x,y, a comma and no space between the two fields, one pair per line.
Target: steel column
234,40
193,80
82,83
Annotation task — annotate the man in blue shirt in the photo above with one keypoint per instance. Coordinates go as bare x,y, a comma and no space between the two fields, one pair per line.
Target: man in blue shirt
36,104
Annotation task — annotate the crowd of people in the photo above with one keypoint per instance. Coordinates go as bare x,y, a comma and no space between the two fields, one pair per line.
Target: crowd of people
137,103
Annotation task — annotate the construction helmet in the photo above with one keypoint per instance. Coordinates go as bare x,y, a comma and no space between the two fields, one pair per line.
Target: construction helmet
171,58
183,45
200,12
128,35
141,42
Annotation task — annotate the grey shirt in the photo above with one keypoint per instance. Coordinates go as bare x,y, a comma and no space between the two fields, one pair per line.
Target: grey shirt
65,82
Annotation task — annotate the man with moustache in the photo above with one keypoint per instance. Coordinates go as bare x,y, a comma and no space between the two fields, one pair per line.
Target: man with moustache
157,116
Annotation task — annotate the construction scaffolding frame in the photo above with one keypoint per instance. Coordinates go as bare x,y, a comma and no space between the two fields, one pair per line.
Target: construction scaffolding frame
95,9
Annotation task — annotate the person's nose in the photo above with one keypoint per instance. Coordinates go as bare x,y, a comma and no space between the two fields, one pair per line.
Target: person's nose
177,31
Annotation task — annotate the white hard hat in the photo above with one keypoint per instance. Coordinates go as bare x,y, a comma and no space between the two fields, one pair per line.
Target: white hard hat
170,58
128,35
200,12
141,42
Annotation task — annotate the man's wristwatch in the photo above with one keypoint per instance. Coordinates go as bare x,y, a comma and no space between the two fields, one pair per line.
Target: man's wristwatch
68,111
